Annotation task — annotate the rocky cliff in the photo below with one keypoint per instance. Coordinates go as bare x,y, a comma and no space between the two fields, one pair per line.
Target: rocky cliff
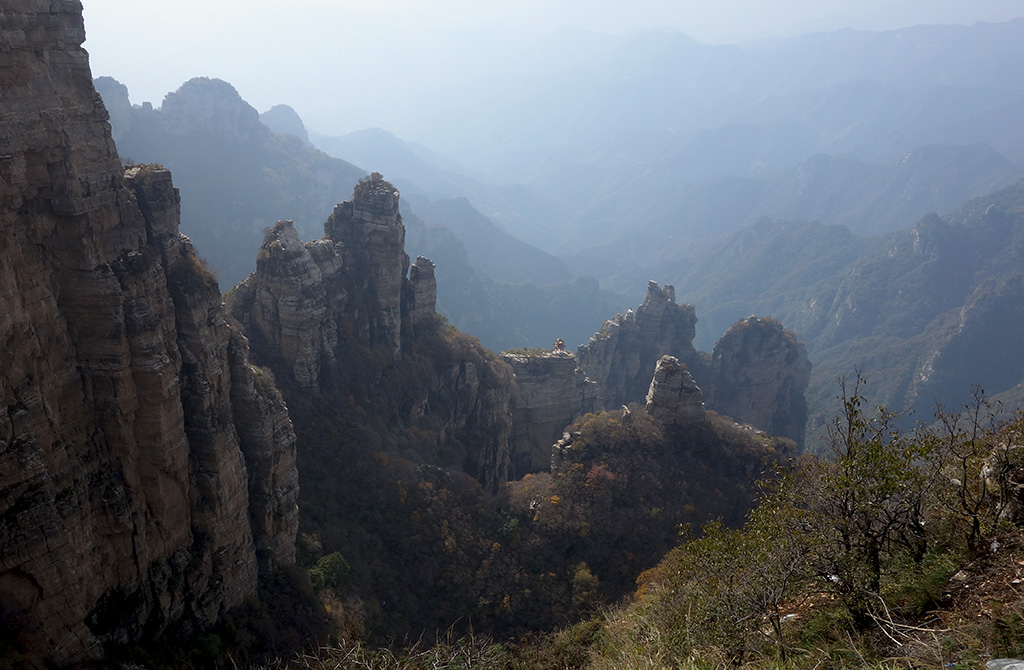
550,392
146,469
337,318
674,398
759,372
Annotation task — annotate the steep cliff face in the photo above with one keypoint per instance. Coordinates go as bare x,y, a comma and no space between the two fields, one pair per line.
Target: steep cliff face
131,498
759,372
622,356
371,236
550,392
337,318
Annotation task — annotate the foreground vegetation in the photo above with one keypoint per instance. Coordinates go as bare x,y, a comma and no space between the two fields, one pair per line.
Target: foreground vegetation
899,550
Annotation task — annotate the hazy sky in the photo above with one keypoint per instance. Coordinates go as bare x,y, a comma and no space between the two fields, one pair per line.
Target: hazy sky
326,57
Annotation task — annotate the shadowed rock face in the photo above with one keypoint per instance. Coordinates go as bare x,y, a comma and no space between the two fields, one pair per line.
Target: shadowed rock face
353,279
371,236
759,372
423,288
146,470
622,356
337,318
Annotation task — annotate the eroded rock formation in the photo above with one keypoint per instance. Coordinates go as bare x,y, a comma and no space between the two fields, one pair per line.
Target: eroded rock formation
337,318
759,372
353,279
146,475
621,357
674,398
423,286
550,393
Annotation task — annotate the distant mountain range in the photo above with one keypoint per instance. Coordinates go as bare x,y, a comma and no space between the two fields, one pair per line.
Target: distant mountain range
770,178
924,313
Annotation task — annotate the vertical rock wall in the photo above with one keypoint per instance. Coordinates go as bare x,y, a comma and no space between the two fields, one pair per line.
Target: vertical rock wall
124,486
550,392
621,357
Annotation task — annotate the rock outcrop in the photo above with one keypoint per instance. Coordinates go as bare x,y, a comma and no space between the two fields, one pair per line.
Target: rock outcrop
337,318
146,475
369,231
353,279
759,372
550,392
423,286
621,357
674,398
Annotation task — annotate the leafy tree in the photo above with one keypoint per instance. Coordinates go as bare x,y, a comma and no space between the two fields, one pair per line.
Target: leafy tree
865,504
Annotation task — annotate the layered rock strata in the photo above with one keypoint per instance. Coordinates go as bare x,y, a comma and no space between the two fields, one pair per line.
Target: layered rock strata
550,392
674,398
145,477
759,372
301,295
371,239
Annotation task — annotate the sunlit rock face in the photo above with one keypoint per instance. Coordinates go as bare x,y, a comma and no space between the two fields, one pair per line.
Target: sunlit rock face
550,392
146,475
674,398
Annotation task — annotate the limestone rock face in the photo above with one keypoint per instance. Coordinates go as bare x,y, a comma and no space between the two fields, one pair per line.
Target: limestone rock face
291,306
759,372
372,238
622,356
674,398
354,278
551,391
126,483
334,318
424,293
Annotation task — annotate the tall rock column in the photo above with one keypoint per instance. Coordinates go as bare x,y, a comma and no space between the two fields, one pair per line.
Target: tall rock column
372,237
423,286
